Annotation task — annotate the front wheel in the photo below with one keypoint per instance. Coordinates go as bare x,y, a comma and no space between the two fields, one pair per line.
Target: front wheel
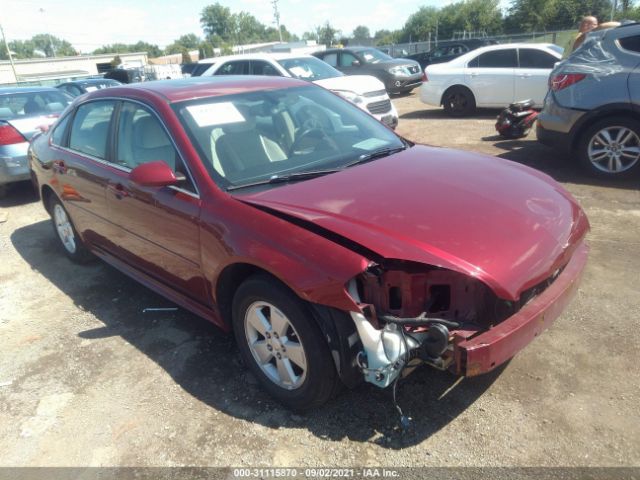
66,233
282,345
611,148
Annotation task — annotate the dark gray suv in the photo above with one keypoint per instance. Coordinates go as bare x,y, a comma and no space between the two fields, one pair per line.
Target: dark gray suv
592,109
399,75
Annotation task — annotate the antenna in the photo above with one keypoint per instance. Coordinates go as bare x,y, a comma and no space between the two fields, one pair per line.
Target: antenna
276,17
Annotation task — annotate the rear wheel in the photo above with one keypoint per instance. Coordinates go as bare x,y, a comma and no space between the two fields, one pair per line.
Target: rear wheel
70,241
458,102
282,345
611,148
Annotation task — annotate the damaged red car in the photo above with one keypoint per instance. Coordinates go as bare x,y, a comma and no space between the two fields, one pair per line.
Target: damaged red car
335,250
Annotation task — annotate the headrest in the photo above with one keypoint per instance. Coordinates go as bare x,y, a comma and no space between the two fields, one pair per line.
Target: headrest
55,107
6,112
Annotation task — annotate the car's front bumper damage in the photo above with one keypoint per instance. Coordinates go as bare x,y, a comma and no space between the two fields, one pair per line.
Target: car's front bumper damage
451,334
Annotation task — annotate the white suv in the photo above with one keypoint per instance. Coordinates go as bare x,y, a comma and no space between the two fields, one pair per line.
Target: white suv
365,91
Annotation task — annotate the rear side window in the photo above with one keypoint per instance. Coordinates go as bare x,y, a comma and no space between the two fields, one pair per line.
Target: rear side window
57,137
259,67
331,59
531,58
90,128
32,104
496,59
234,68
631,43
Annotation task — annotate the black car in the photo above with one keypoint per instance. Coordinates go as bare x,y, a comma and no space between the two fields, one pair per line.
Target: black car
79,87
446,51
399,75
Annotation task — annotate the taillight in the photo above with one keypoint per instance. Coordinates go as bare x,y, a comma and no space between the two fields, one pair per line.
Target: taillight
424,77
9,135
558,82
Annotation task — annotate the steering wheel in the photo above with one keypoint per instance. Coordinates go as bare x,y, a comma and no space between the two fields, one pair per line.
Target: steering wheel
311,139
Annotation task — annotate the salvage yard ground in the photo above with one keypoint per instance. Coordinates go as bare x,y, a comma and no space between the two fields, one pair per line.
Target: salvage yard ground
86,378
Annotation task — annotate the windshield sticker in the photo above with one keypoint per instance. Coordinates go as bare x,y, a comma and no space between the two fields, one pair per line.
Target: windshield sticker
91,89
370,144
215,114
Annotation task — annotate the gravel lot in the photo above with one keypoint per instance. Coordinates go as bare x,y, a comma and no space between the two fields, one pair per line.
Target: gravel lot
87,379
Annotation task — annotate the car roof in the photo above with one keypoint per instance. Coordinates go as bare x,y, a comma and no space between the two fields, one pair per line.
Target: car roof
255,56
8,90
201,87
546,47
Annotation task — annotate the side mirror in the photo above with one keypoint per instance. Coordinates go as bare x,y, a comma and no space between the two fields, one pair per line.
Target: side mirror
355,63
153,174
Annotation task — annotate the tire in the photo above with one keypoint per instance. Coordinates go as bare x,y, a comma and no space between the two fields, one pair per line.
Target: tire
264,312
458,102
69,240
610,148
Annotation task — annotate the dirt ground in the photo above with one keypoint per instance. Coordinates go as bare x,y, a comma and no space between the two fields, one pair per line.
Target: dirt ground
86,378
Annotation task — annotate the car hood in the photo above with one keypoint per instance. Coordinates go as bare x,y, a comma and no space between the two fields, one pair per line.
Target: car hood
359,84
505,224
395,62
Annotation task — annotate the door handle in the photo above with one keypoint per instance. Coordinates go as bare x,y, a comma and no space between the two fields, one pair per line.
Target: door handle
525,75
118,190
473,74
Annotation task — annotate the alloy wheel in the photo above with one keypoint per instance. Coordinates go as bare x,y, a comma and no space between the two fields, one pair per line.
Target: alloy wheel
64,228
275,345
614,149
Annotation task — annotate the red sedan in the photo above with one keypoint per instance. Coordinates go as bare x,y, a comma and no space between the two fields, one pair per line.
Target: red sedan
335,250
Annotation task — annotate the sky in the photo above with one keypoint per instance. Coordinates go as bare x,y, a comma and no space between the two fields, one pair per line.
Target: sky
89,24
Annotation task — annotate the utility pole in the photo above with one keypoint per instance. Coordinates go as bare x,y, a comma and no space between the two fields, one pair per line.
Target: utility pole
276,17
13,66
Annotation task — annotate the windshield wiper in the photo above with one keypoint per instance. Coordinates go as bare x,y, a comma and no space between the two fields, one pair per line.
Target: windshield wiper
383,152
291,177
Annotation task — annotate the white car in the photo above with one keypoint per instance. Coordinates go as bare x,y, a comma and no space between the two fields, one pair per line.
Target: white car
365,91
492,76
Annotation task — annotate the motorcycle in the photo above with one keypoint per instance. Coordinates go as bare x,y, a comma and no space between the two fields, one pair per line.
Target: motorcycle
516,120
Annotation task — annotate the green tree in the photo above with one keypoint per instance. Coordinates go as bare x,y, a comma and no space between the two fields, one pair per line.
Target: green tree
116,61
420,24
189,42
326,34
541,15
186,58
387,37
217,20
361,34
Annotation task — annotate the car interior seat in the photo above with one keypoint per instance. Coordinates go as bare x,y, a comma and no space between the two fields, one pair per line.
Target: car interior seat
240,146
151,142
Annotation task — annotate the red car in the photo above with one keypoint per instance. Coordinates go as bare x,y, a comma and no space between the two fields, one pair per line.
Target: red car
334,249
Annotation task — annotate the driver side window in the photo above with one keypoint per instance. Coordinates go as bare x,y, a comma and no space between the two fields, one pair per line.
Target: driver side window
141,138
347,59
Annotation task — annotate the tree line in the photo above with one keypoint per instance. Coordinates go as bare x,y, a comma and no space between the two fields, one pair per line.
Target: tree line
223,28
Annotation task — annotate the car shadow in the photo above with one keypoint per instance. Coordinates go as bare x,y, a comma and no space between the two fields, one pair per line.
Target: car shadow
560,165
205,362
18,193
440,114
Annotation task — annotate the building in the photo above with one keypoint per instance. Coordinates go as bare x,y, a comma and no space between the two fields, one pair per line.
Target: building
50,71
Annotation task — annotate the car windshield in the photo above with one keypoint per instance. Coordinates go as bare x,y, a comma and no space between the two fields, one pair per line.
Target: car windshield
31,104
556,48
309,68
372,55
259,136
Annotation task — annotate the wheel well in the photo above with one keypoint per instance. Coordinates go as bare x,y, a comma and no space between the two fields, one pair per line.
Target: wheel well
462,87
575,138
46,194
228,282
